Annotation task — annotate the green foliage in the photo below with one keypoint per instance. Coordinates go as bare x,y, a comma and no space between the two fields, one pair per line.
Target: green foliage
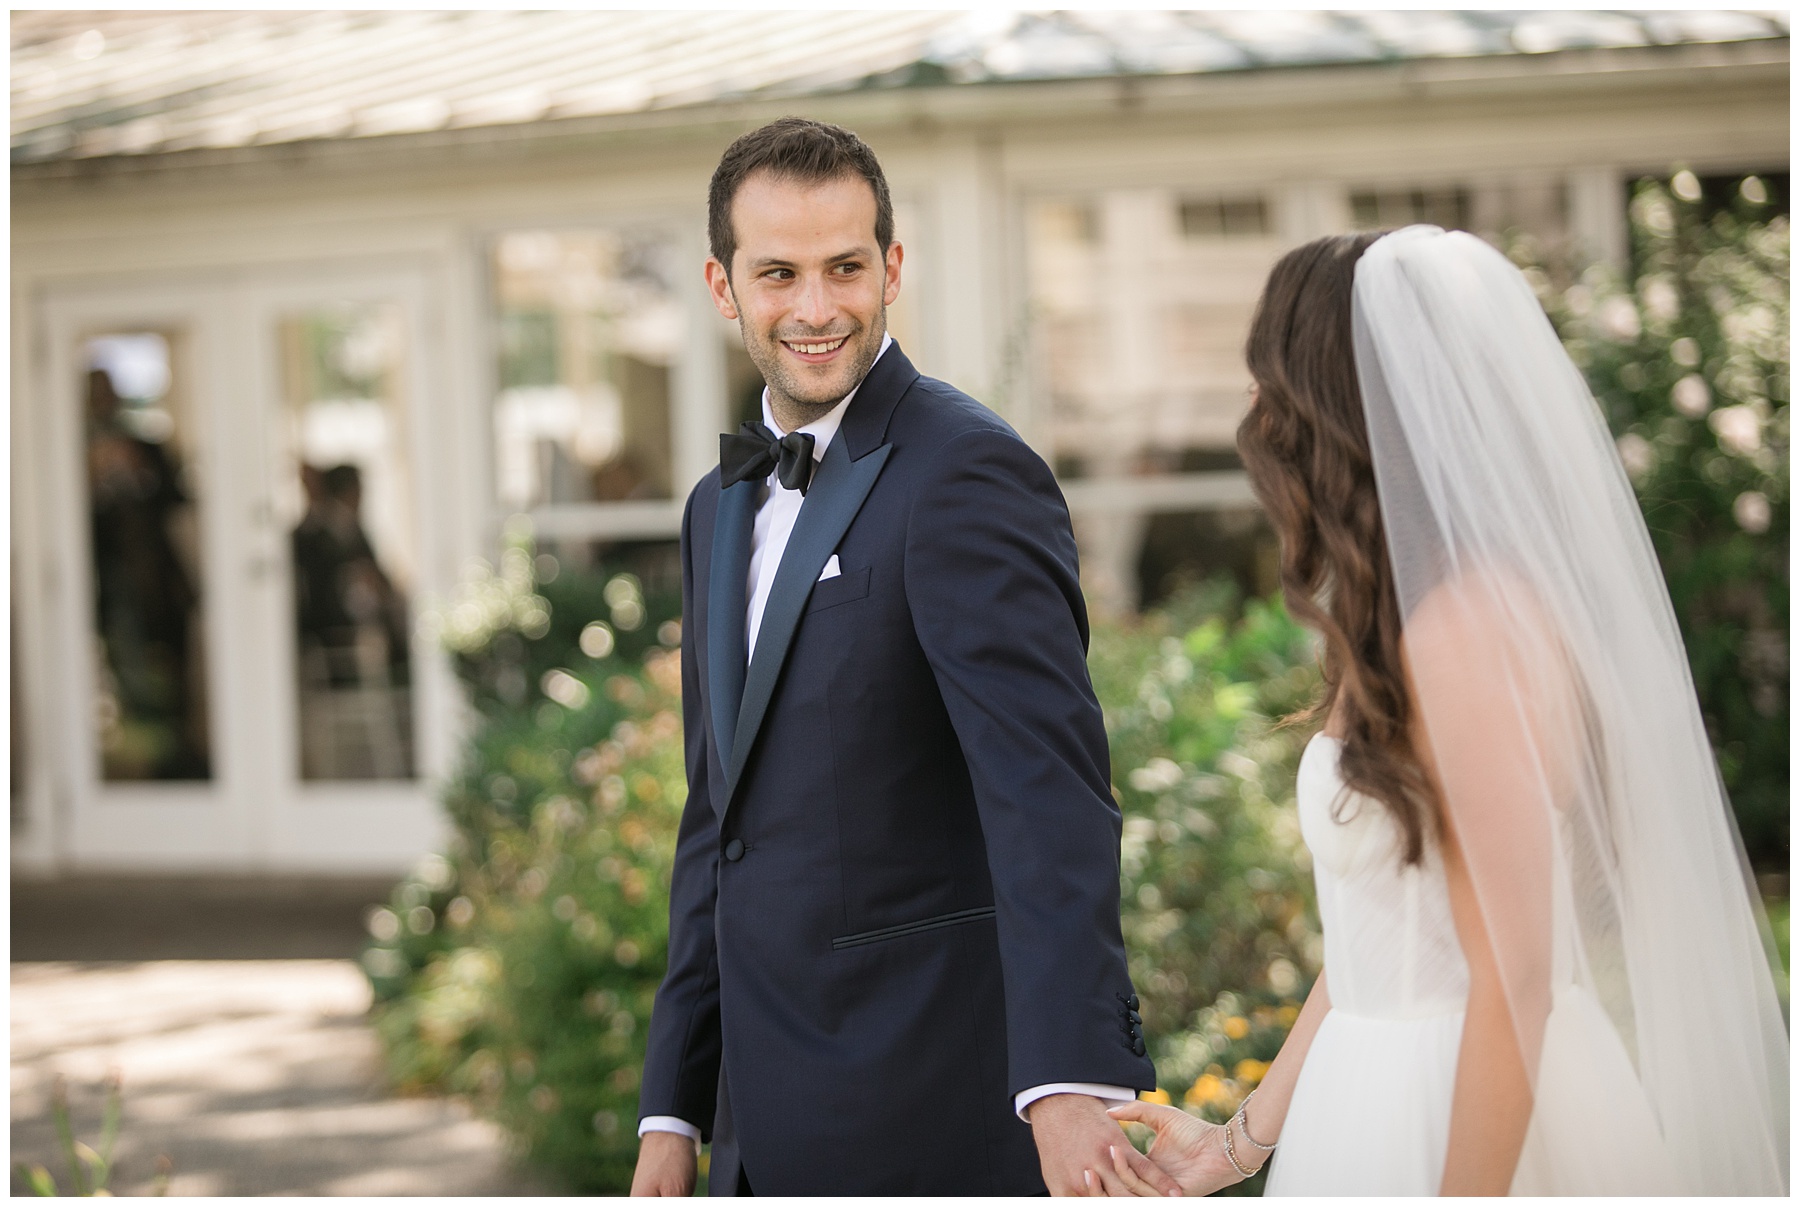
1688,357
519,968
1218,914
510,628
90,1166
575,905
1777,912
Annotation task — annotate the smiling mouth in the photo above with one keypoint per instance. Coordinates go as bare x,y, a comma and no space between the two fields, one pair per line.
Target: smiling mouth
815,347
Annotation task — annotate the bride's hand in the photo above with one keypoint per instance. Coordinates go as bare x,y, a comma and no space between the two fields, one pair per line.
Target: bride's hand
1190,1150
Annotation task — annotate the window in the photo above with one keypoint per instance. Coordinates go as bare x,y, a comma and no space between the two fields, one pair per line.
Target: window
151,706
589,326
1224,217
345,501
1141,300
1388,209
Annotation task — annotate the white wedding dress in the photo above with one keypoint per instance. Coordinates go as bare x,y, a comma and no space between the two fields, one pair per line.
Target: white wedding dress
1547,671
1371,1109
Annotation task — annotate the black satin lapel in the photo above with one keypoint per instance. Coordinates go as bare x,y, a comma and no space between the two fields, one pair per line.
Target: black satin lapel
837,494
725,606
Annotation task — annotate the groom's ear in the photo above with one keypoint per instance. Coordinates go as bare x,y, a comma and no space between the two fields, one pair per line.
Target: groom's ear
718,284
890,291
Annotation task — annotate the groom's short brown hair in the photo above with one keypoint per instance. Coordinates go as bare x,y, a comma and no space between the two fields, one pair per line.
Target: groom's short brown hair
793,148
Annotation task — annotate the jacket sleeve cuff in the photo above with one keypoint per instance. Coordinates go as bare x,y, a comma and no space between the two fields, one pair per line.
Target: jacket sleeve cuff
681,1127
1025,1098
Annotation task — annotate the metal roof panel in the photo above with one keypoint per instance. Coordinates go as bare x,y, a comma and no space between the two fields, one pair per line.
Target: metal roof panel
133,83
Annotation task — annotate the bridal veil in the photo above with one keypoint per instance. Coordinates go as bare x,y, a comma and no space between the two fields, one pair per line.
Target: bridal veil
1559,715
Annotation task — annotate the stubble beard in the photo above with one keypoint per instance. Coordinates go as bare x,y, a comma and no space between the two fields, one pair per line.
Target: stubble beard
791,398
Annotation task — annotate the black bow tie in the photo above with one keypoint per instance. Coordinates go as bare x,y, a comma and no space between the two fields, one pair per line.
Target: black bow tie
755,450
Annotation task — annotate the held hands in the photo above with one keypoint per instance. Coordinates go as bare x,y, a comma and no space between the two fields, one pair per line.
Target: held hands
1081,1150
1189,1150
665,1165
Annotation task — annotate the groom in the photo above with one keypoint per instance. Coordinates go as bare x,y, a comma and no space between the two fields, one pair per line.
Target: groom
895,964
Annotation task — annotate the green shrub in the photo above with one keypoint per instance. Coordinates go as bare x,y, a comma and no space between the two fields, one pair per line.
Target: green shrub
575,908
519,968
1688,357
1218,913
509,628
1218,907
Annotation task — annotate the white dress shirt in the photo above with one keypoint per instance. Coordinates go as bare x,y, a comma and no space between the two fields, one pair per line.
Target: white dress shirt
781,507
774,525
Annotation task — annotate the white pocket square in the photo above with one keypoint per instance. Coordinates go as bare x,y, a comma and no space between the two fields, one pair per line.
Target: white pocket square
831,570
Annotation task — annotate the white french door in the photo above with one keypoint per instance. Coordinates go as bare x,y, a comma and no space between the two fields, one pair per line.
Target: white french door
244,482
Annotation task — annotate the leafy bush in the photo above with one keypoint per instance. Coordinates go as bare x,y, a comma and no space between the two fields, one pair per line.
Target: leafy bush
1218,903
1688,356
508,629
519,969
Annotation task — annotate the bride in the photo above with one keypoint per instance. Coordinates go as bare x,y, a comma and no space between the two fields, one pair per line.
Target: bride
1543,970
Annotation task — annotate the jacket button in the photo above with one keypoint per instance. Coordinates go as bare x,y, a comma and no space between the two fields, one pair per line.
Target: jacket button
734,850
1137,1047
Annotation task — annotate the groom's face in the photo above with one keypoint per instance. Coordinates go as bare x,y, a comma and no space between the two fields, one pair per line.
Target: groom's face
808,286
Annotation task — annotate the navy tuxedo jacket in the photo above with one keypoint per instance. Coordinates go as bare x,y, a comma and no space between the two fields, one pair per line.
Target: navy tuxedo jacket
896,891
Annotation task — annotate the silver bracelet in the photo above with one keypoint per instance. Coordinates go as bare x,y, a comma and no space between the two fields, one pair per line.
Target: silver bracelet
1231,1154
1244,1124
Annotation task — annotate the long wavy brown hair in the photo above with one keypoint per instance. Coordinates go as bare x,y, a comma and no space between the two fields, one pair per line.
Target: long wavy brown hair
1306,447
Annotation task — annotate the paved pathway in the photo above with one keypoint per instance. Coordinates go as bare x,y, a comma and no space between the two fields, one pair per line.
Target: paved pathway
253,1076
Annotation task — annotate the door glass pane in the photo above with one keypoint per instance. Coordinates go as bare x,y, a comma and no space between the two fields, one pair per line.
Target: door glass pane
144,530
345,499
588,327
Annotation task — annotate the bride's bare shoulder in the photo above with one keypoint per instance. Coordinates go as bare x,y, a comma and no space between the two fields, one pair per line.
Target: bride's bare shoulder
1485,611
1486,645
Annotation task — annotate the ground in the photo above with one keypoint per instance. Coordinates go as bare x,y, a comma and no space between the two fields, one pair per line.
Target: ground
251,1075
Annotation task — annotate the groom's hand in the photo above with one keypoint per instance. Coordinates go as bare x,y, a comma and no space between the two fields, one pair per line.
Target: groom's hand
1076,1137
665,1165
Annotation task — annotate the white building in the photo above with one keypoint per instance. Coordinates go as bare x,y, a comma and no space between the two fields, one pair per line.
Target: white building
406,274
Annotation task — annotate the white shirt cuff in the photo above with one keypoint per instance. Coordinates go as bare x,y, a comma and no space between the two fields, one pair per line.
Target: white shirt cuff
1025,1098
681,1127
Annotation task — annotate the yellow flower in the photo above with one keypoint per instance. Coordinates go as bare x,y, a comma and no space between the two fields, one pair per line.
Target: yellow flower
1287,1015
1206,1088
1236,1028
1251,1071
1158,1096
1212,1090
